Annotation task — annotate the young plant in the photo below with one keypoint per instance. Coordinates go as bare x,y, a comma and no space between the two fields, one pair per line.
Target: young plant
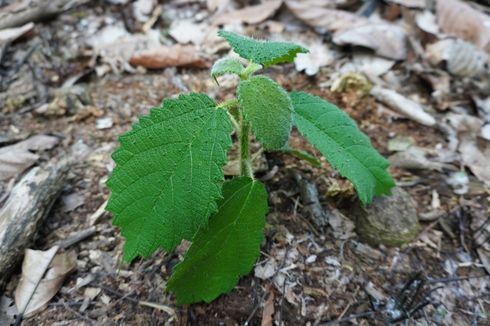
168,184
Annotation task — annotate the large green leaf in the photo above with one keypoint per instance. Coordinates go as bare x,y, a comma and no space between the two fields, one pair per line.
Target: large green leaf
227,249
264,52
346,148
267,106
168,174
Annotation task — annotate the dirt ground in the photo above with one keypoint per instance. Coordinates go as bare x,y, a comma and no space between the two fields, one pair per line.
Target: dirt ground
318,274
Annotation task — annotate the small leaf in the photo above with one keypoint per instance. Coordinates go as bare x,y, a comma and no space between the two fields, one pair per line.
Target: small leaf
169,174
347,149
264,52
267,106
227,249
226,66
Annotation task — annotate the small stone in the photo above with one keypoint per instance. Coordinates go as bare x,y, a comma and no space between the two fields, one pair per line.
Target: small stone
389,220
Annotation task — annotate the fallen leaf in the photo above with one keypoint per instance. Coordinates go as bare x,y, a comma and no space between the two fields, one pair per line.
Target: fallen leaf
43,273
169,56
426,21
462,58
311,62
11,34
403,105
186,31
386,40
476,156
459,19
368,64
15,159
266,270
250,15
268,312
316,13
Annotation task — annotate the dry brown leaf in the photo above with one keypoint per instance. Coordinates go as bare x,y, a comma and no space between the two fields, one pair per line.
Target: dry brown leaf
315,13
43,273
15,159
319,56
251,14
459,19
169,56
386,40
268,312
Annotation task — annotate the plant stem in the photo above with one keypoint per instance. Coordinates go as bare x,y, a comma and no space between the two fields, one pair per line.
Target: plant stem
245,163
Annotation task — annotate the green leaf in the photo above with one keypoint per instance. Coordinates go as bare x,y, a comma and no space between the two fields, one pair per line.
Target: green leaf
168,174
264,52
227,249
226,66
347,149
268,108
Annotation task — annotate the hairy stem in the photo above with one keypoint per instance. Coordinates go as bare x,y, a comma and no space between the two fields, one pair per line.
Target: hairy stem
245,162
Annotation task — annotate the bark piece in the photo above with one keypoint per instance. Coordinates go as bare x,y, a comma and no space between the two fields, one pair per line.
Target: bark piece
391,221
29,202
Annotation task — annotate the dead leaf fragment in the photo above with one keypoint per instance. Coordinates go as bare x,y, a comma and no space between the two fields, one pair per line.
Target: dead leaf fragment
186,31
11,34
316,13
476,155
15,159
43,273
250,15
410,3
169,56
8,311
386,40
462,58
311,62
403,105
268,312
459,19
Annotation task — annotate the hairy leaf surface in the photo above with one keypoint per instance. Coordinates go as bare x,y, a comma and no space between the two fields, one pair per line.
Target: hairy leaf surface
227,249
346,148
264,52
226,66
268,108
168,174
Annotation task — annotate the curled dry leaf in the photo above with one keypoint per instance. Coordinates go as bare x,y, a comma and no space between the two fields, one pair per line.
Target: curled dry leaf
15,159
169,56
386,40
315,13
403,105
43,273
251,15
459,19
426,21
462,58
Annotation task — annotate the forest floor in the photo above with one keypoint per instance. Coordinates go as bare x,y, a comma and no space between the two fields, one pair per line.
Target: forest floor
60,79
